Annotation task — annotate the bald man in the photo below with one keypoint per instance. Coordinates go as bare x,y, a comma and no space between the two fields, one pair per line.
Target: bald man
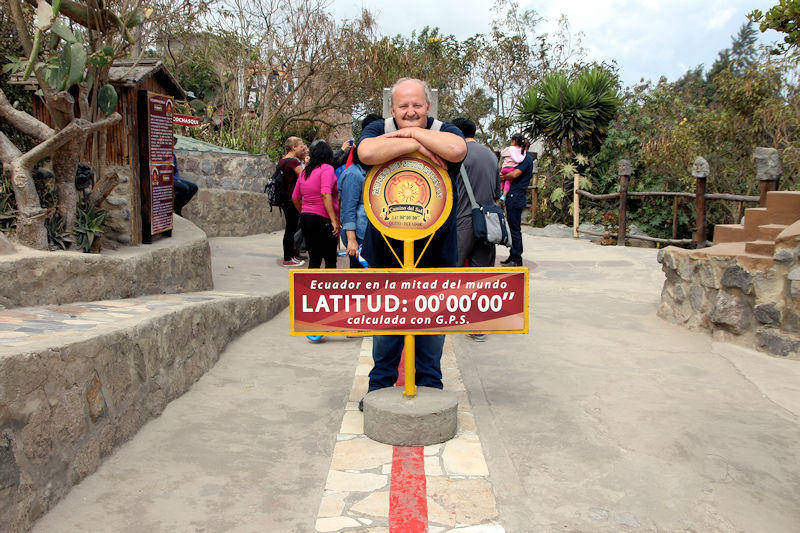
410,129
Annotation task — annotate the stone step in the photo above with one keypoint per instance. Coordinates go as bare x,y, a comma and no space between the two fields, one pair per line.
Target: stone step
786,219
768,232
784,202
728,233
753,218
760,247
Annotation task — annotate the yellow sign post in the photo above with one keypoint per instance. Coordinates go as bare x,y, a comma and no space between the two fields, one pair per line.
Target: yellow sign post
407,199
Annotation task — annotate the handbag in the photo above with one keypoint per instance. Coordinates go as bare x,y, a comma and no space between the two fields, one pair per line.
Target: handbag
489,223
299,241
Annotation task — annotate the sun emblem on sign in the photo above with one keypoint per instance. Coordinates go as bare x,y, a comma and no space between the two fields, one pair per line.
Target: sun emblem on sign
407,188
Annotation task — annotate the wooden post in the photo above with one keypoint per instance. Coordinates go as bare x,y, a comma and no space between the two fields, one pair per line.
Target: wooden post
768,172
700,173
624,172
576,204
675,218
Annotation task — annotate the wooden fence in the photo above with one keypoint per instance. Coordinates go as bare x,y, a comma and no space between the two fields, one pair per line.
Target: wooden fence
768,173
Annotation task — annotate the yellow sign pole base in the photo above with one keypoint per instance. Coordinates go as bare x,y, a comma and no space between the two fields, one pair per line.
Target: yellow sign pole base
410,366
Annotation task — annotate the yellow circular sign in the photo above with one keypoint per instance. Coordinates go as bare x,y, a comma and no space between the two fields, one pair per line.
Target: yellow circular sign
408,198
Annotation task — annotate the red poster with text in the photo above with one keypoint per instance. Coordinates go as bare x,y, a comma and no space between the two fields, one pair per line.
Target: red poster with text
458,300
160,108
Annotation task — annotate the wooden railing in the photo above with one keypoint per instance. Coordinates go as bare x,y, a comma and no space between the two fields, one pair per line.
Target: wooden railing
768,173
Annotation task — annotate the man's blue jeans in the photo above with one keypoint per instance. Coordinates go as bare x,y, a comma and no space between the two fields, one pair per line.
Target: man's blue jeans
386,350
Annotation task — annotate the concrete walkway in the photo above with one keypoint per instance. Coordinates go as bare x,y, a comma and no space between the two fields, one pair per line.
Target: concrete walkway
604,418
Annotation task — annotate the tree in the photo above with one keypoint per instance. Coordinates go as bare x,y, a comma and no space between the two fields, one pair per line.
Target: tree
69,53
783,17
515,55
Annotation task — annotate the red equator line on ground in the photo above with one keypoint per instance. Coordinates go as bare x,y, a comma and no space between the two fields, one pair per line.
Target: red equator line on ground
408,505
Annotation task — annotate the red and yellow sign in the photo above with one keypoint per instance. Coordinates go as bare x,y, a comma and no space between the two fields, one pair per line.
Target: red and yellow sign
395,301
408,198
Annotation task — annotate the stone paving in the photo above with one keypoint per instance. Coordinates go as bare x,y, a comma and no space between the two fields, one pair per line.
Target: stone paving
356,494
53,323
605,418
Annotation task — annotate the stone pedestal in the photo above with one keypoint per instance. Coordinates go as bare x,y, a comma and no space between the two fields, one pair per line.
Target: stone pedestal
429,418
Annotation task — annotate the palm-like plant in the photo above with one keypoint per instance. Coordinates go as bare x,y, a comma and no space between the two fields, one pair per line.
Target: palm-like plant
572,112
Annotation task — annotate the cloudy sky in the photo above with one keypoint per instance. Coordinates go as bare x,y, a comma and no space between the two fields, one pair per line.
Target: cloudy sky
648,38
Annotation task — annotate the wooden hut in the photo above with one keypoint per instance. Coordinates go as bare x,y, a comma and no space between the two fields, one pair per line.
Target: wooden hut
128,77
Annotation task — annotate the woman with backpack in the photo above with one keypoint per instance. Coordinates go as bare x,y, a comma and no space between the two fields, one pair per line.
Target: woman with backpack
290,167
316,197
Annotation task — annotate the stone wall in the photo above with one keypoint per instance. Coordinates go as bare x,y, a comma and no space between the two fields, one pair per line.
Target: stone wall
742,298
178,264
66,407
118,207
226,213
221,170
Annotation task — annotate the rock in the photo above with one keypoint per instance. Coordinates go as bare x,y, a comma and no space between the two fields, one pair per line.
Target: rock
634,232
95,400
794,274
794,289
768,164
768,286
9,471
594,228
767,314
736,276
232,213
732,311
783,256
791,322
710,275
6,247
554,230
700,168
776,343
668,259
686,268
697,297
679,294
463,456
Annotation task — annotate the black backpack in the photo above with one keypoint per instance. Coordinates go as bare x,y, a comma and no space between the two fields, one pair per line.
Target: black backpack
275,188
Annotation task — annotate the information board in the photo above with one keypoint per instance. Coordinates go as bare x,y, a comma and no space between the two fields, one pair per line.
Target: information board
395,301
156,163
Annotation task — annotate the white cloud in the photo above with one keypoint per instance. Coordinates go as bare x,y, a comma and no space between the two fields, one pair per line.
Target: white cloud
647,38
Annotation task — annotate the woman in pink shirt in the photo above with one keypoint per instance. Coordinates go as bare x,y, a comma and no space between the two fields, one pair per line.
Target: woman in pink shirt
316,197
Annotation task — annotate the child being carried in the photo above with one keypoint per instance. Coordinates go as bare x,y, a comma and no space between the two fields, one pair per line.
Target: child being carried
512,156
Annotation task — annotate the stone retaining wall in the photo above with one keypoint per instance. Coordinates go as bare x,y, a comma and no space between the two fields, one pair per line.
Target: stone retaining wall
67,407
744,299
181,263
224,213
229,171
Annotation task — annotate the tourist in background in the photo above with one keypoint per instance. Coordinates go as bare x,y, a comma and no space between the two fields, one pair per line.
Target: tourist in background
316,197
481,169
291,167
351,191
184,190
516,200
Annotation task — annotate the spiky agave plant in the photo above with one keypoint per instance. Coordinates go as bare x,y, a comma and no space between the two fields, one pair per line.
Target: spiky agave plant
572,112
